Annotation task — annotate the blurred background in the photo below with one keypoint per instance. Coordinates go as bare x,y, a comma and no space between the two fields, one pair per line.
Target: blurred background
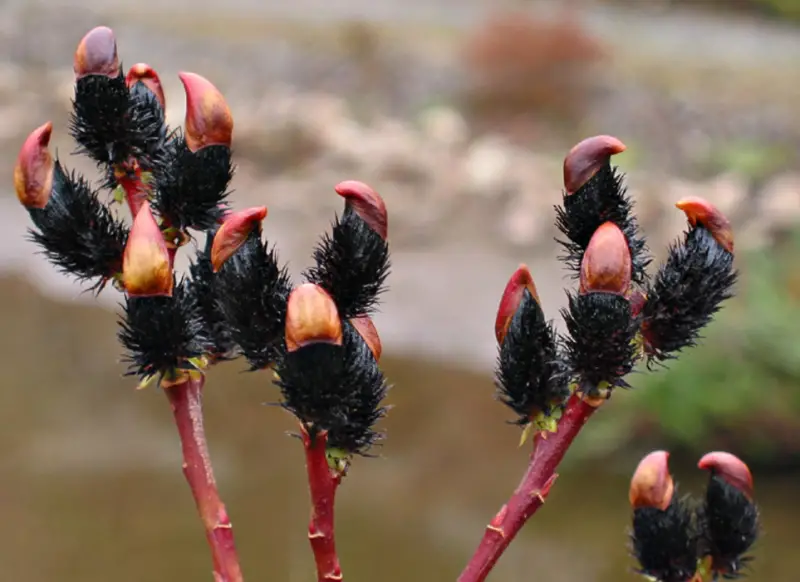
460,113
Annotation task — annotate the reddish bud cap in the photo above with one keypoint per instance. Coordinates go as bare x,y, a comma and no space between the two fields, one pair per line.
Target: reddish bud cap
512,297
367,203
606,264
97,54
33,173
235,229
369,333
208,118
146,264
652,485
731,469
701,211
586,158
311,317
146,75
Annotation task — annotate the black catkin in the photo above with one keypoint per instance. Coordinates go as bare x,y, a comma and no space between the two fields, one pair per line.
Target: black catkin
76,232
192,188
601,199
338,388
251,292
666,543
351,264
688,289
530,377
600,347
162,334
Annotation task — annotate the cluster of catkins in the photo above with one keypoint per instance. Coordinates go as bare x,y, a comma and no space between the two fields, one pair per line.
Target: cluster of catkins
619,315
237,299
680,539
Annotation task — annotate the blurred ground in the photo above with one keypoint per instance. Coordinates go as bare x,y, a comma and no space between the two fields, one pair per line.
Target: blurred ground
379,91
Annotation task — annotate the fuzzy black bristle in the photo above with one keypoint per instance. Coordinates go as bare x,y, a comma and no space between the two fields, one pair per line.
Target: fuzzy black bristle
335,388
76,232
112,125
687,291
204,289
730,526
251,292
600,344
193,185
530,376
601,199
352,263
161,334
666,543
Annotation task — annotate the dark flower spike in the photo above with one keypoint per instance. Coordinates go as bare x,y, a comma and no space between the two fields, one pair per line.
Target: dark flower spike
33,173
511,299
76,232
352,262
600,347
110,124
729,517
329,378
144,74
97,54
233,233
208,119
664,538
251,291
367,203
690,286
163,336
193,187
146,264
595,193
369,333
531,379
203,287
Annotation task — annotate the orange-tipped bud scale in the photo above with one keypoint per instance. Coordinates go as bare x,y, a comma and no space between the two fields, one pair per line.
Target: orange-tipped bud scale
369,333
33,172
367,203
97,54
587,157
146,75
729,468
606,264
234,231
146,264
652,485
208,118
512,297
700,211
311,317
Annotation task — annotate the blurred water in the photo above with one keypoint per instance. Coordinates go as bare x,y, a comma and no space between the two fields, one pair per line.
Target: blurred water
92,488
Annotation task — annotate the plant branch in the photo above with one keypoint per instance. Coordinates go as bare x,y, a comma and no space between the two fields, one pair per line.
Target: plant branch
322,482
530,495
129,177
186,400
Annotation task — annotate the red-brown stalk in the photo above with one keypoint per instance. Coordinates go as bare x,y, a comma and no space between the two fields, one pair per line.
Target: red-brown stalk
530,495
185,397
322,483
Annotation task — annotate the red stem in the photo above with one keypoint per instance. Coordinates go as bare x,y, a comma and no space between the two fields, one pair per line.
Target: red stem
549,449
186,400
129,176
322,483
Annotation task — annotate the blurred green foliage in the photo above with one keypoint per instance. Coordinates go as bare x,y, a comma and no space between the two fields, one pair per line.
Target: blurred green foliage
783,9
739,389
